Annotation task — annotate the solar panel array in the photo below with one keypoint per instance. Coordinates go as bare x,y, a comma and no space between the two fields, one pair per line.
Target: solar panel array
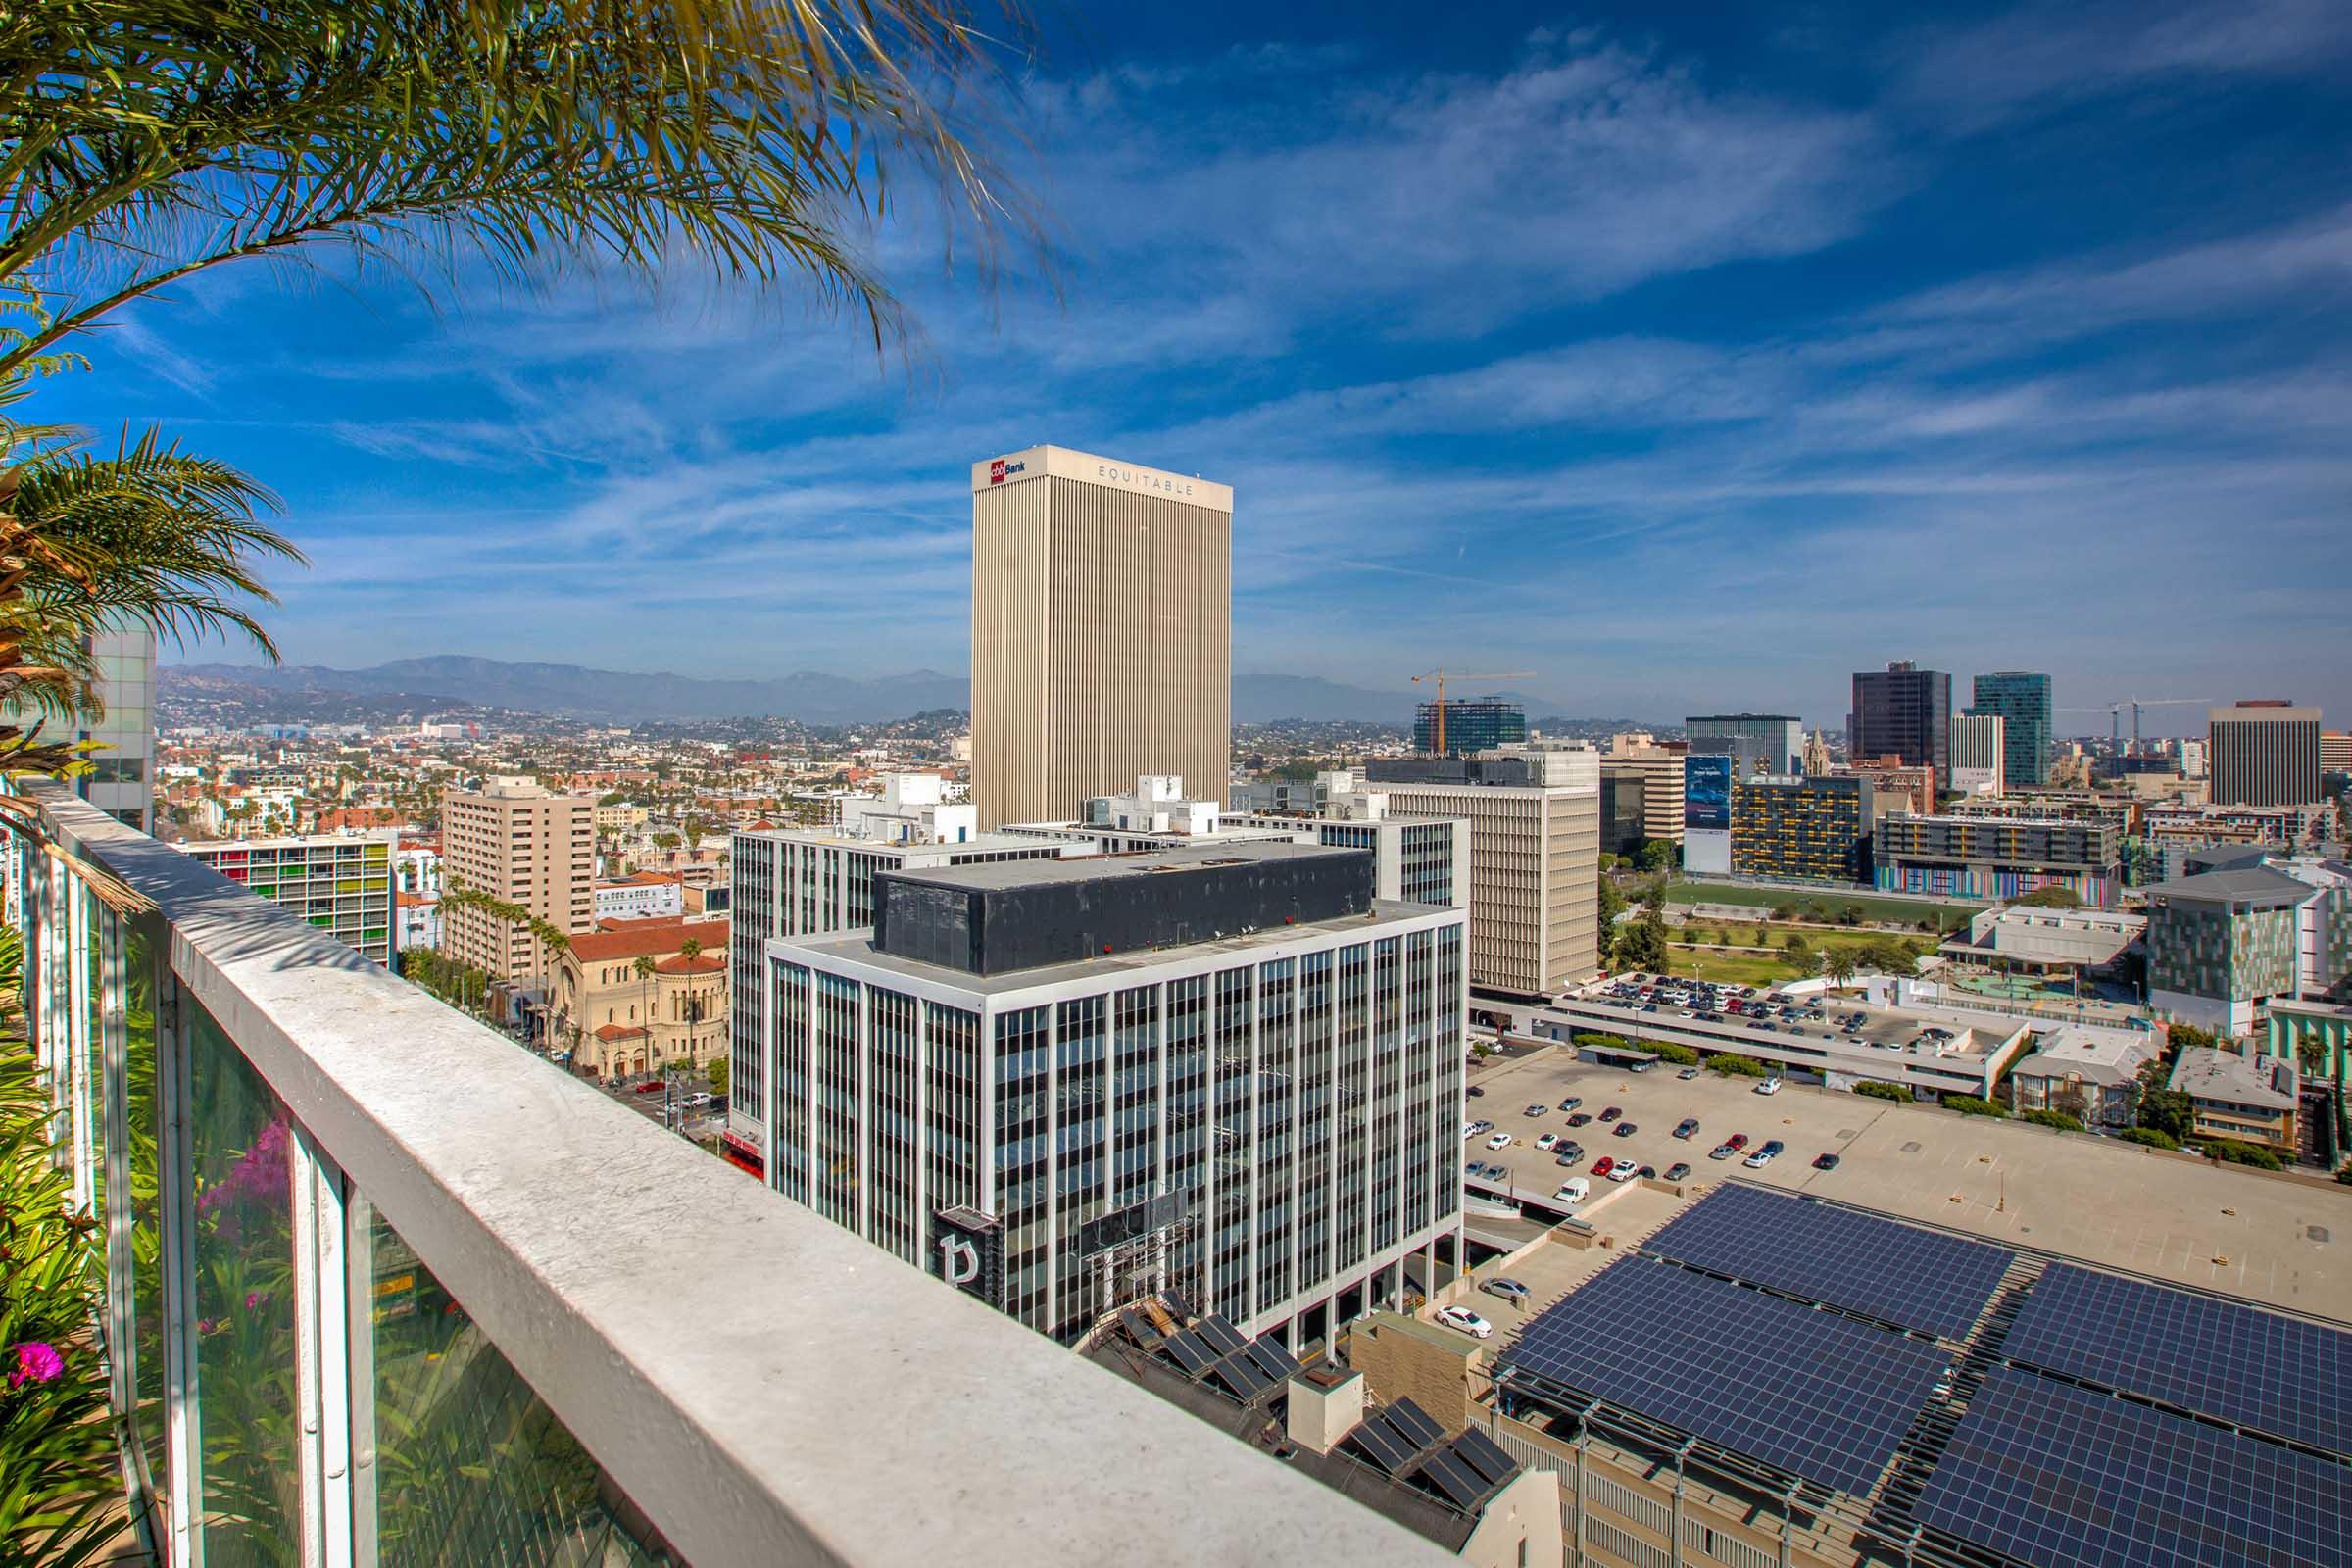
2246,1366
1898,1273
2062,1477
1810,1392
1406,1443
1213,1350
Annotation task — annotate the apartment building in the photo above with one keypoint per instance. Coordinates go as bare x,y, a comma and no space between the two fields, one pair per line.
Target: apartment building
1805,829
1535,856
1102,631
1231,1073
521,844
2252,1099
339,882
1998,857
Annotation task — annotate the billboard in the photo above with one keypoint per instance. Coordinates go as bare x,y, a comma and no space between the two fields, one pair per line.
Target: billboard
1708,794
971,1252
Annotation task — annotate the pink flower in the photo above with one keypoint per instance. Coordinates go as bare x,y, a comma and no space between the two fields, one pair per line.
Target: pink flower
36,1362
253,1298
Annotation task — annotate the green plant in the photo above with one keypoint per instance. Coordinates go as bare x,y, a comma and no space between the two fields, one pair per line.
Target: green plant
1667,1051
1973,1106
1878,1091
2052,1118
1596,1042
1732,1065
2149,1138
2230,1152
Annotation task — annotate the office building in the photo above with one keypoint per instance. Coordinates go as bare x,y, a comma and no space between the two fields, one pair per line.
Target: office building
645,896
1535,858
2335,753
1624,813
1914,785
1154,815
1416,860
1905,713
523,845
1469,724
1997,858
2249,1098
1800,829
1759,743
1979,754
2222,944
620,1022
1653,776
1229,1074
121,781
339,882
797,882
1102,631
2022,702
2263,752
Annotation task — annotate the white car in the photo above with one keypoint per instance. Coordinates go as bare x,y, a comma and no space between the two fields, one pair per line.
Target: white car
1575,1190
1464,1320
1770,1086
1547,1142
1625,1170
1499,1140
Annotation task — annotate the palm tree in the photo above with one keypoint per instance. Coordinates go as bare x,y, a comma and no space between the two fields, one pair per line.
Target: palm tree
1839,965
146,142
643,971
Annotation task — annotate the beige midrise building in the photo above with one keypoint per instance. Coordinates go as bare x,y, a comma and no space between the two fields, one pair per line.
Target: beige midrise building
1102,632
1535,855
521,844
622,1022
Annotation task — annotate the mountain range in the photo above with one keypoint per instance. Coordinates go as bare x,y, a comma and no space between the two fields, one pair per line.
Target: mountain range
574,691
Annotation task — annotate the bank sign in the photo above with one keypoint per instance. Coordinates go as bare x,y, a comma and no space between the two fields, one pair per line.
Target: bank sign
1005,468
1707,793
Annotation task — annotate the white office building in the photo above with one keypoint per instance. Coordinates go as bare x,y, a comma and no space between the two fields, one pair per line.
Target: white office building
1231,1073
1978,764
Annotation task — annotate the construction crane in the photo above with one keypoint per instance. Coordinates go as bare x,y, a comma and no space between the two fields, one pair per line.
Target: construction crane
2115,712
1437,734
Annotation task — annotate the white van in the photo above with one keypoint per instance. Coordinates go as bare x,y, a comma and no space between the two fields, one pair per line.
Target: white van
1575,1190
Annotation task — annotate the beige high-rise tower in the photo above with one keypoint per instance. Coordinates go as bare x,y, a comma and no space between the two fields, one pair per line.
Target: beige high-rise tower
1102,632
524,844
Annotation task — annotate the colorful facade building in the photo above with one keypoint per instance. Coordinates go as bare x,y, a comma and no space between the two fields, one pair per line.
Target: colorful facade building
338,882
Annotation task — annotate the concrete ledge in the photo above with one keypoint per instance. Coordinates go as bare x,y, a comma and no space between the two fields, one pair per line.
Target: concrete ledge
765,1386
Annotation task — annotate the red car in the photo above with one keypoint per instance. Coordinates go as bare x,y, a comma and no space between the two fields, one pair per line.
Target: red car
1736,1141
654,1086
1604,1165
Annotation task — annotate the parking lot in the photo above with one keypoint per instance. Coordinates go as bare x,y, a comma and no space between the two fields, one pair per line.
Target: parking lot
2282,1241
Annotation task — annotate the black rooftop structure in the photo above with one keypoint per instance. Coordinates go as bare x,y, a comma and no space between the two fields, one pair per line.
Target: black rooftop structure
1514,770
1025,914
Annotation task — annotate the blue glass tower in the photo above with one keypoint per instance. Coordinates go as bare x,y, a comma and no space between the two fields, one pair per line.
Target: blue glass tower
2024,700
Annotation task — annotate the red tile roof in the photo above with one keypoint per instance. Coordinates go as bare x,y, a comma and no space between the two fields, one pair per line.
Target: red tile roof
700,964
650,937
609,1032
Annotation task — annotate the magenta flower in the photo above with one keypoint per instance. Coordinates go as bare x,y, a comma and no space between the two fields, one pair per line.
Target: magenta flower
253,1298
260,1178
36,1362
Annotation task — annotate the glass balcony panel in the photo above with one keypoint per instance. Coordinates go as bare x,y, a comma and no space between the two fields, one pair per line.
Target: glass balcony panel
471,1464
146,1216
240,1145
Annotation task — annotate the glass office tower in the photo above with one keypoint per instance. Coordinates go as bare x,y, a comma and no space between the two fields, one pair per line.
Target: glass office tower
2023,701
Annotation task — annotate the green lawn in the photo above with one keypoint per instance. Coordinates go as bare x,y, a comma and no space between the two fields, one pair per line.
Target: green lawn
1832,899
1744,970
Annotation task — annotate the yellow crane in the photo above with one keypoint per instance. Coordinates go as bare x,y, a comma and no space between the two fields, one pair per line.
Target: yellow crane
1437,734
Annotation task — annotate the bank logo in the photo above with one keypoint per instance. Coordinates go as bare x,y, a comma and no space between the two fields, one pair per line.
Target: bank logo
1000,470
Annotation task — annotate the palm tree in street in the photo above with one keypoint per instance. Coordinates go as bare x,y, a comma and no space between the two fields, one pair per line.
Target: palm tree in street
643,971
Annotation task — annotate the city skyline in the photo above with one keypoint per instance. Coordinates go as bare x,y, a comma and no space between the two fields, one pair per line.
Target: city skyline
1796,324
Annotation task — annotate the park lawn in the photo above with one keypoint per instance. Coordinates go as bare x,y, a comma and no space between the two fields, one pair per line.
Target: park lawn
1907,911
1745,969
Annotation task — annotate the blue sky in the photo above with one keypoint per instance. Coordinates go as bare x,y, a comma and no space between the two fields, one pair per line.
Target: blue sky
1692,360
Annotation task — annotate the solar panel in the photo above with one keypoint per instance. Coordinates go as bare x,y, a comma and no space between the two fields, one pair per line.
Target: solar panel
1414,1423
1380,1440
1485,1456
2246,1366
1898,1273
1813,1393
1271,1358
1236,1374
2062,1477
1189,1354
1461,1487
1221,1334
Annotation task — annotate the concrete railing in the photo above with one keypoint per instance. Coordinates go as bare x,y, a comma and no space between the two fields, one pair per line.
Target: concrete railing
755,1384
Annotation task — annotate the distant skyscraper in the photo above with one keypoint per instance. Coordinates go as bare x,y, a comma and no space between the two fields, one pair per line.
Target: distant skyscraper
2022,702
524,845
1776,741
1472,724
2263,752
1979,754
1905,712
1102,632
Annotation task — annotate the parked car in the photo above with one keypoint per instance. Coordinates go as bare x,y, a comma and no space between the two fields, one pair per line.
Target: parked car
1686,1074
1546,1141
1824,1161
1626,1129
1736,1141
1509,1289
1604,1165
1770,1086
1677,1170
1499,1140
1625,1170
1464,1320
1575,1190
1572,1103
1533,1111
1568,1150
1579,1119
1721,1151
1474,1092
1612,1113
1478,1128
1686,1127
1645,1066
1764,1156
